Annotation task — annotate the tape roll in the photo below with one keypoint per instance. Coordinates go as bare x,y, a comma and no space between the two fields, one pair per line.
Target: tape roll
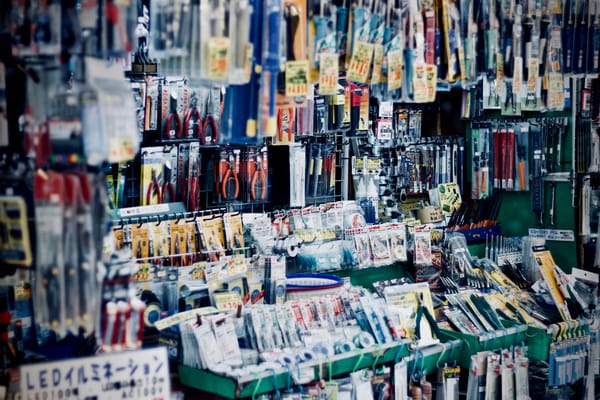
306,356
343,347
321,351
152,314
286,359
363,340
291,247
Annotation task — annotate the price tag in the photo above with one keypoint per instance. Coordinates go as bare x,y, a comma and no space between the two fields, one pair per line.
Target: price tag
139,375
431,76
377,76
120,150
556,97
218,58
385,129
151,209
556,235
395,69
421,90
328,74
227,301
296,78
361,62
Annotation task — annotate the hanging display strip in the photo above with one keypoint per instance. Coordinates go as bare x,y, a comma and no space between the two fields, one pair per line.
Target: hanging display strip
140,375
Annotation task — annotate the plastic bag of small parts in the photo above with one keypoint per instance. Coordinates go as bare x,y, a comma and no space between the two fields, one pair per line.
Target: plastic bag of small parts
322,257
108,115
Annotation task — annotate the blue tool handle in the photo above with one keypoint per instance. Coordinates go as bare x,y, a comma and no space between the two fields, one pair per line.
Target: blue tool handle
321,34
342,29
358,20
273,37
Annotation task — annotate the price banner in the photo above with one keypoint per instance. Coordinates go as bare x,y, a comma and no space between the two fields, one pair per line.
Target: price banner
139,375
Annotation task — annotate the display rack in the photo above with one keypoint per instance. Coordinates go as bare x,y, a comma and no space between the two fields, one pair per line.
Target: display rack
280,379
496,340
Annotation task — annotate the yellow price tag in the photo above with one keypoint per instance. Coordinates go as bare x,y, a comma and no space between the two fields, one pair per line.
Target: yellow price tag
296,78
218,58
361,62
394,69
377,75
556,99
328,74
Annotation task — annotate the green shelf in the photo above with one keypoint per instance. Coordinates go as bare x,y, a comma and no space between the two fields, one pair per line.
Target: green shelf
427,359
539,340
269,381
489,341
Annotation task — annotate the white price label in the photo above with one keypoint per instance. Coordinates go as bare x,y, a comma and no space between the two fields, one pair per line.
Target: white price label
140,375
143,210
556,235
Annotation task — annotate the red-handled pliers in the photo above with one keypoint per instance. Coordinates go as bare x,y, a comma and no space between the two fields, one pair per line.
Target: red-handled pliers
258,185
173,126
192,123
210,130
168,191
230,186
290,124
153,189
194,190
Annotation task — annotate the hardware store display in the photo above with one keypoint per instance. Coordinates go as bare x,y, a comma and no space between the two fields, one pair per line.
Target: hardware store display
299,199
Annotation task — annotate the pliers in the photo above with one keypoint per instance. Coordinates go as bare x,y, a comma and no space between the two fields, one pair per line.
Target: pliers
230,186
290,125
258,185
209,130
510,97
194,190
168,191
153,189
192,123
173,126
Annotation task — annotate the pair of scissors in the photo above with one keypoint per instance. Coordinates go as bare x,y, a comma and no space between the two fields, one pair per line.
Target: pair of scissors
230,185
